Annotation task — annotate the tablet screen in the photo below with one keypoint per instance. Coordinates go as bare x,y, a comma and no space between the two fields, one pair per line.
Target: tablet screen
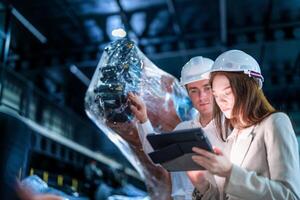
186,139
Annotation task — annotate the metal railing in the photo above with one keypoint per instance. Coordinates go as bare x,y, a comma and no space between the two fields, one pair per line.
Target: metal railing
22,96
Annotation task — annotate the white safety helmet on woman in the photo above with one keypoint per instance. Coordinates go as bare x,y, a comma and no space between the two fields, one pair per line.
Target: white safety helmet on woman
238,61
198,68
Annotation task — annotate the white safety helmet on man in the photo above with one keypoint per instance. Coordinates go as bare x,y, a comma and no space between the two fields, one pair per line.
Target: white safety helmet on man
198,68
238,61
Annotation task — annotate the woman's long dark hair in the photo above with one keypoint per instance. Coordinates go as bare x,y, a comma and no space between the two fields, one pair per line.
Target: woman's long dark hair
251,106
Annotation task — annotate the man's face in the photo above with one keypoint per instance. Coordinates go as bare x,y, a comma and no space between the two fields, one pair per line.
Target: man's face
201,96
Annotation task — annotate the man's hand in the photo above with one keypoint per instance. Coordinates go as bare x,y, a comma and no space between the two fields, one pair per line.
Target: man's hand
138,107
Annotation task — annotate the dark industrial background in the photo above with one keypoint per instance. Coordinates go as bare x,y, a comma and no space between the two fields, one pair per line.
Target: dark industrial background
50,49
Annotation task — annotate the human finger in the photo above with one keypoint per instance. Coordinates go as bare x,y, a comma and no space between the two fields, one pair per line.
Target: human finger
134,109
202,161
217,150
136,99
203,152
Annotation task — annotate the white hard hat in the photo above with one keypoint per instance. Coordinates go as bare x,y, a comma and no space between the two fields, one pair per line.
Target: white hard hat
238,61
196,69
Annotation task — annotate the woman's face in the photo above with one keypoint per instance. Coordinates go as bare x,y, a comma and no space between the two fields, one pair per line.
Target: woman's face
223,95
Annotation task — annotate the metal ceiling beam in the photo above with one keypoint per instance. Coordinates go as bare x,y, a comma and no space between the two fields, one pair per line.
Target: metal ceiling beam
105,15
223,21
80,75
75,20
6,36
29,26
125,20
156,56
176,24
267,19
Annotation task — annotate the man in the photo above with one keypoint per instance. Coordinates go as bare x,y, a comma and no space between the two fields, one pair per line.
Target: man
195,78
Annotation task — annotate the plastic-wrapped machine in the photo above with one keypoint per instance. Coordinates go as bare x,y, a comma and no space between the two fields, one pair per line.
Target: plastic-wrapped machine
124,68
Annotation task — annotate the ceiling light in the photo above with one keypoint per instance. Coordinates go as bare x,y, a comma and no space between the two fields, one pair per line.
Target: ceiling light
119,32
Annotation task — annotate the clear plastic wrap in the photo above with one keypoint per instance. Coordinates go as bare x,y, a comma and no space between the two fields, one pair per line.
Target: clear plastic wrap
124,68
37,186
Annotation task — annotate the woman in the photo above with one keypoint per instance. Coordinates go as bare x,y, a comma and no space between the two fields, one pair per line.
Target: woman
261,160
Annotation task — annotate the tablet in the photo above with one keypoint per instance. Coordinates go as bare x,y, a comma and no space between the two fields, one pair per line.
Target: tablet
195,135
173,150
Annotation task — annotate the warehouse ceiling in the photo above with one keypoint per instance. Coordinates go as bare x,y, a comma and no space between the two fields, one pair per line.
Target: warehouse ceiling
169,32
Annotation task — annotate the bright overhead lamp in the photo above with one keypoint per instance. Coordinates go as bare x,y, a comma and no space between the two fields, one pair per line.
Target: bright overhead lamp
119,32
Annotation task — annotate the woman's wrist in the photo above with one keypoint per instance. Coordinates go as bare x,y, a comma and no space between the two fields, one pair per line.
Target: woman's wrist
203,187
228,172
